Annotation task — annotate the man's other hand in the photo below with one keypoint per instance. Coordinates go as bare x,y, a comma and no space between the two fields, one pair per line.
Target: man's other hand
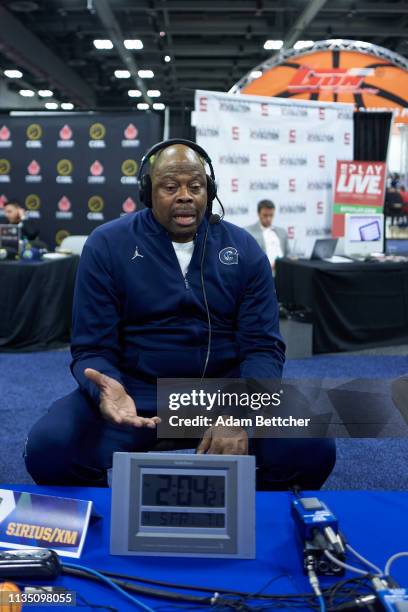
115,404
223,440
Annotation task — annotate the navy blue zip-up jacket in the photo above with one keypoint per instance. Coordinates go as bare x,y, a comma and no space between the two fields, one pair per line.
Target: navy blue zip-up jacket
136,318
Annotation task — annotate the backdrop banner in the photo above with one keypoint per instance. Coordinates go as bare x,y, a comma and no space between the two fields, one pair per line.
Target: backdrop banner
276,149
73,171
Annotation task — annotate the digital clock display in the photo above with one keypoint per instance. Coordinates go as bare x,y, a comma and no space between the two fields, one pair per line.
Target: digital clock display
182,519
183,490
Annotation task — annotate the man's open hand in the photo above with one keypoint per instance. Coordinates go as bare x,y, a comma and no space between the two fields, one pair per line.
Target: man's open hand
115,404
222,440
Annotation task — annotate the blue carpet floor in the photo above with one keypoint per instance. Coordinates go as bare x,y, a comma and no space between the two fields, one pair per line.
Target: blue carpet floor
30,382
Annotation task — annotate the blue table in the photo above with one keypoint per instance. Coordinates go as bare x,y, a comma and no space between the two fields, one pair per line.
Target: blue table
374,522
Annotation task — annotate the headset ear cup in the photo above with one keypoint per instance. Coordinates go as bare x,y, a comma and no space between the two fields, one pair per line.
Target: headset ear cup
211,190
145,191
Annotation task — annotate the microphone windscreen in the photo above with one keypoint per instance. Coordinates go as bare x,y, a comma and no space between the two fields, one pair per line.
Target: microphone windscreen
214,219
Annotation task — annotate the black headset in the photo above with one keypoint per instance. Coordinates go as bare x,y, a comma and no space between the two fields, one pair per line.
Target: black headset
144,180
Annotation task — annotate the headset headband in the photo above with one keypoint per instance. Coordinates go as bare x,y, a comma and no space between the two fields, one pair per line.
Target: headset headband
168,143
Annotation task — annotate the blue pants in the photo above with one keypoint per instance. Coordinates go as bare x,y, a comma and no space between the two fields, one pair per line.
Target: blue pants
72,445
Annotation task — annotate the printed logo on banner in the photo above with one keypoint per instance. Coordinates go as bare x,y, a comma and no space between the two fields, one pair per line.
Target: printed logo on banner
34,133
3,200
322,161
129,170
263,185
263,160
129,205
318,232
64,169
60,235
264,110
97,133
32,204
95,205
236,209
319,137
202,104
234,159
233,107
131,133
322,114
5,168
294,111
34,170
64,209
96,173
234,185
65,137
292,135
347,138
293,208
291,232
5,142
319,185
332,80
264,134
207,132
235,132
320,207
292,184
293,161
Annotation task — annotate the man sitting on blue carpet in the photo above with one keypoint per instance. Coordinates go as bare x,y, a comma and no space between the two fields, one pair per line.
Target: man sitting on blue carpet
140,314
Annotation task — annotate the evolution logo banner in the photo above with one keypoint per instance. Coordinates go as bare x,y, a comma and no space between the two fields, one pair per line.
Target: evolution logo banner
276,149
359,188
59,166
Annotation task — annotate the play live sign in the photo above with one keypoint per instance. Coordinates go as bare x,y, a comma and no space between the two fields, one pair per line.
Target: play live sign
359,188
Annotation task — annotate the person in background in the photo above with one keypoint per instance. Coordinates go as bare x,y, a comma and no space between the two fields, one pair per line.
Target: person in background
272,240
16,215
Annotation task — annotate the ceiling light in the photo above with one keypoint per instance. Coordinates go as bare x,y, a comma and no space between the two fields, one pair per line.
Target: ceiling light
167,58
67,106
255,74
303,44
273,44
133,43
122,74
45,93
51,105
143,106
13,74
103,43
153,93
159,106
26,93
134,93
146,74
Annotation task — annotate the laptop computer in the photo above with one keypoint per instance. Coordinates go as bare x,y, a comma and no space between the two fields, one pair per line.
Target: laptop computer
324,248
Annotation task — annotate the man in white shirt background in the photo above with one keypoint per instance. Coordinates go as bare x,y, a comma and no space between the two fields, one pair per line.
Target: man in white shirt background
273,240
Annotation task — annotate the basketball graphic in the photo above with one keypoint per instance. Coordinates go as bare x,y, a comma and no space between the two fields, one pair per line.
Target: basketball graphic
368,76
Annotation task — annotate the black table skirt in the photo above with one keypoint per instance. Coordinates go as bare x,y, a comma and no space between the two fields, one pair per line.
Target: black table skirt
36,303
354,305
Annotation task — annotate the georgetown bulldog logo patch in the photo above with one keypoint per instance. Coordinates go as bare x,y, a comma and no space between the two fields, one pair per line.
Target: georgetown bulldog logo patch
228,256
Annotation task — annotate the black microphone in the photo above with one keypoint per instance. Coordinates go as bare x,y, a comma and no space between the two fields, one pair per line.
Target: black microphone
214,219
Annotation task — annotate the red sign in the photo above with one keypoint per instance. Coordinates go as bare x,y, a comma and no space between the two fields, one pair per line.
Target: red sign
129,205
359,188
96,168
64,204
